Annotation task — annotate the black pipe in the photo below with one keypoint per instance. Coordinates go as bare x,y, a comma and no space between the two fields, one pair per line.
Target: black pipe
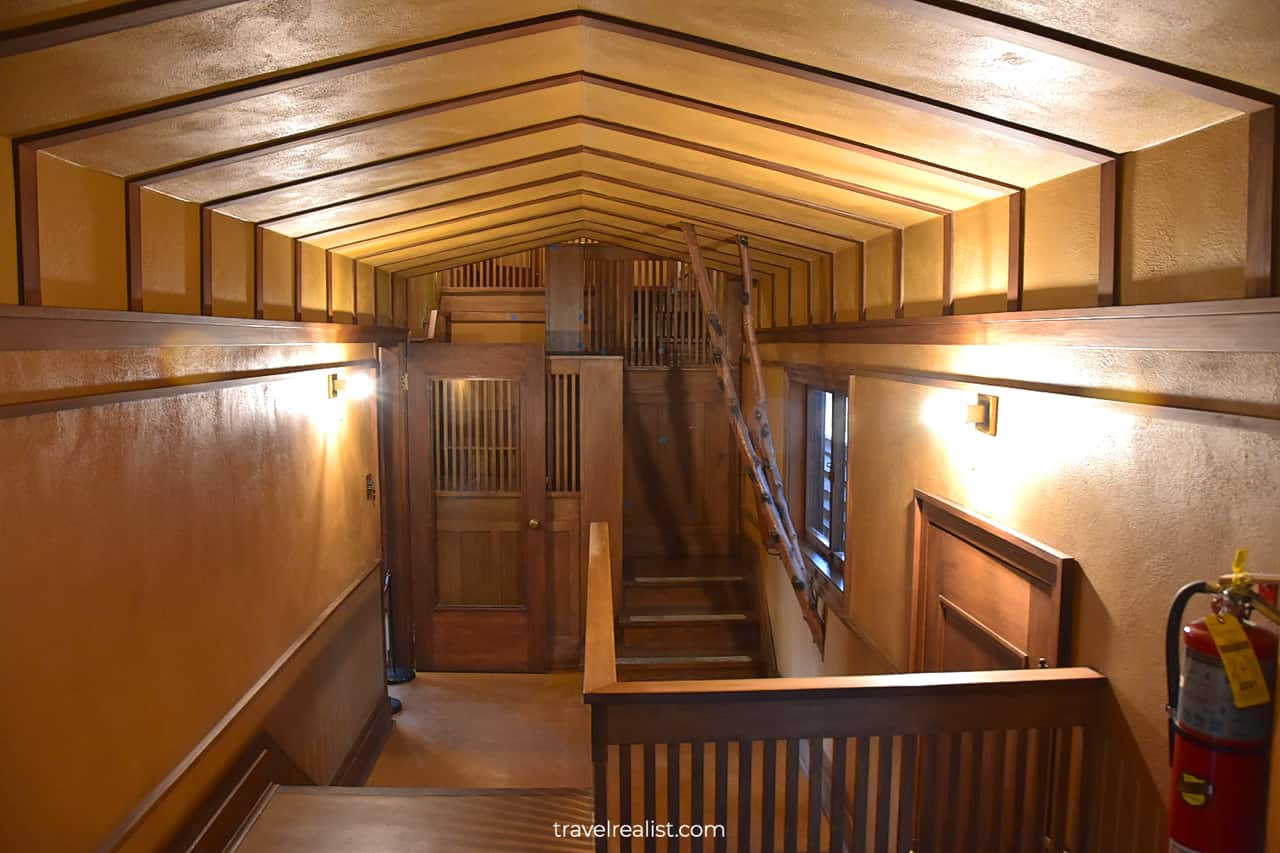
1172,645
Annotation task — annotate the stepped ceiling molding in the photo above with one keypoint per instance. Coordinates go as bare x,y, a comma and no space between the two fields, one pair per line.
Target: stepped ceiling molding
415,135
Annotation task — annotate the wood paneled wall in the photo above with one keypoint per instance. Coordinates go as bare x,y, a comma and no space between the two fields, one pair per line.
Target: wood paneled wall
584,401
681,465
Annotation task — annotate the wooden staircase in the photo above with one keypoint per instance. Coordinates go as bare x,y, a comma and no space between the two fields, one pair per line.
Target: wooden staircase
690,618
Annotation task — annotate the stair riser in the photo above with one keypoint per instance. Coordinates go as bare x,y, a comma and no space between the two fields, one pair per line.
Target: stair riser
706,637
710,596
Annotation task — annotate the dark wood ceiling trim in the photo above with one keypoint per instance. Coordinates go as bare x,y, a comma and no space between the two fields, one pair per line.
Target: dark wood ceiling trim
615,127
297,280
801,132
656,238
259,274
516,29
206,261
386,119
346,248
1076,48
849,83
599,152
371,258
1017,248
26,328
408,157
368,257
729,235
410,267
347,128
432,182
734,185
1260,224
587,174
1232,325
133,244
1109,222
900,274
27,212
299,77
409,211
493,226
761,163
99,22
521,243
948,263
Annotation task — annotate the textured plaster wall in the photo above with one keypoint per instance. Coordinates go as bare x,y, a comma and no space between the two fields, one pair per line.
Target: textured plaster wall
232,266
922,269
847,275
1183,234
980,275
82,247
313,283
1060,260
160,555
879,270
170,254
1144,502
277,276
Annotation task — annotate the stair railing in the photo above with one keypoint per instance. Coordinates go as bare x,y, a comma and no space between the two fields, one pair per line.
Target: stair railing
1005,760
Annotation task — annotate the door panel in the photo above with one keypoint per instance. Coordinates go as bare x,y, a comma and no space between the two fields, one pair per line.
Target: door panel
477,467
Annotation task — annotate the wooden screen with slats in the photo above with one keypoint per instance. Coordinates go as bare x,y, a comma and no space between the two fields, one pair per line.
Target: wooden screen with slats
564,474
647,311
477,436
520,271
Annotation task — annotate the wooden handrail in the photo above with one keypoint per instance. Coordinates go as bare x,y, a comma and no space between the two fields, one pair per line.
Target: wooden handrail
1005,759
600,668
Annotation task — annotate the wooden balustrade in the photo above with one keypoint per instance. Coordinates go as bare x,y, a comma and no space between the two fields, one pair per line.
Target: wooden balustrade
1001,761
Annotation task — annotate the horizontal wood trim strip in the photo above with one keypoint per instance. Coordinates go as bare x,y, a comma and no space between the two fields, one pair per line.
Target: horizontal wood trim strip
85,401
1233,325
135,818
1139,403
32,328
461,318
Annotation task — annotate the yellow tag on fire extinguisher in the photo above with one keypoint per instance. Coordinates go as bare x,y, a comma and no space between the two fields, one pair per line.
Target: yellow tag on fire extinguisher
1244,673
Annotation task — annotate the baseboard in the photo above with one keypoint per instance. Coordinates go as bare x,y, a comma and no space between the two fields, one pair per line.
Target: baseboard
359,761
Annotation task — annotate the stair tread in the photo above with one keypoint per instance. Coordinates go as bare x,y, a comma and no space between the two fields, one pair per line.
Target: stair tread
691,657
682,566
678,616
662,580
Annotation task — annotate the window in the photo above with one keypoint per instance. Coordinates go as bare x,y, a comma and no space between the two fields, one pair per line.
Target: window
825,457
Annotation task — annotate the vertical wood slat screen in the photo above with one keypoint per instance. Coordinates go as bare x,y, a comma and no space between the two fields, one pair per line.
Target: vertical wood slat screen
564,472
647,311
520,271
944,792
477,435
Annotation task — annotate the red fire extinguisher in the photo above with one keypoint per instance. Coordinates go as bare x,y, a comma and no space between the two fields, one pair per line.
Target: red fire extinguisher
1219,750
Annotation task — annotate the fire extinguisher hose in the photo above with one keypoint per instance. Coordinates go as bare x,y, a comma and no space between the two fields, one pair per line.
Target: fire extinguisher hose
1173,644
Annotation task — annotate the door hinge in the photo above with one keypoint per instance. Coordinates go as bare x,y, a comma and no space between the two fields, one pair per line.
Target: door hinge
404,381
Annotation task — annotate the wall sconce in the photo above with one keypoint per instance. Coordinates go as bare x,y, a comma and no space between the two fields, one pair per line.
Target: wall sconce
983,414
358,386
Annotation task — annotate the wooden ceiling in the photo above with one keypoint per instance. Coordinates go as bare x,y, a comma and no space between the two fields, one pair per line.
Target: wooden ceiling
410,135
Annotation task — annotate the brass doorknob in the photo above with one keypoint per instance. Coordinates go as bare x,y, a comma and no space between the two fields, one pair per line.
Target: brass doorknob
534,524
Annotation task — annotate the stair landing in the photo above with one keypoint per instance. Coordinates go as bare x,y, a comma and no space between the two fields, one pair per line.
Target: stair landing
363,820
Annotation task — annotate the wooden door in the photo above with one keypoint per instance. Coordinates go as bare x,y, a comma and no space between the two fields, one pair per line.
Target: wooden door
986,596
478,478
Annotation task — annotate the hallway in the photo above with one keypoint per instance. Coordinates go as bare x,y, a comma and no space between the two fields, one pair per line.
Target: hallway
480,730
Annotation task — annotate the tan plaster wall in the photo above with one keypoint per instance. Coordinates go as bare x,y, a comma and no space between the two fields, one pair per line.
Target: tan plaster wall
170,254
1183,231
232,267
277,276
922,269
1060,261
160,555
82,247
1145,502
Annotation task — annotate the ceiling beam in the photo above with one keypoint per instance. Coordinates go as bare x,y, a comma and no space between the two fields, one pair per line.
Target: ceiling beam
99,22
972,18
291,78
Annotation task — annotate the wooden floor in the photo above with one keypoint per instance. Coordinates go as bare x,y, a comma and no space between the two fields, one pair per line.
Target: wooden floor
480,730
397,820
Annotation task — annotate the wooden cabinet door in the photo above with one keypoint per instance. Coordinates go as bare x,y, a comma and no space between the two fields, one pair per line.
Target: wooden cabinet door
478,506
